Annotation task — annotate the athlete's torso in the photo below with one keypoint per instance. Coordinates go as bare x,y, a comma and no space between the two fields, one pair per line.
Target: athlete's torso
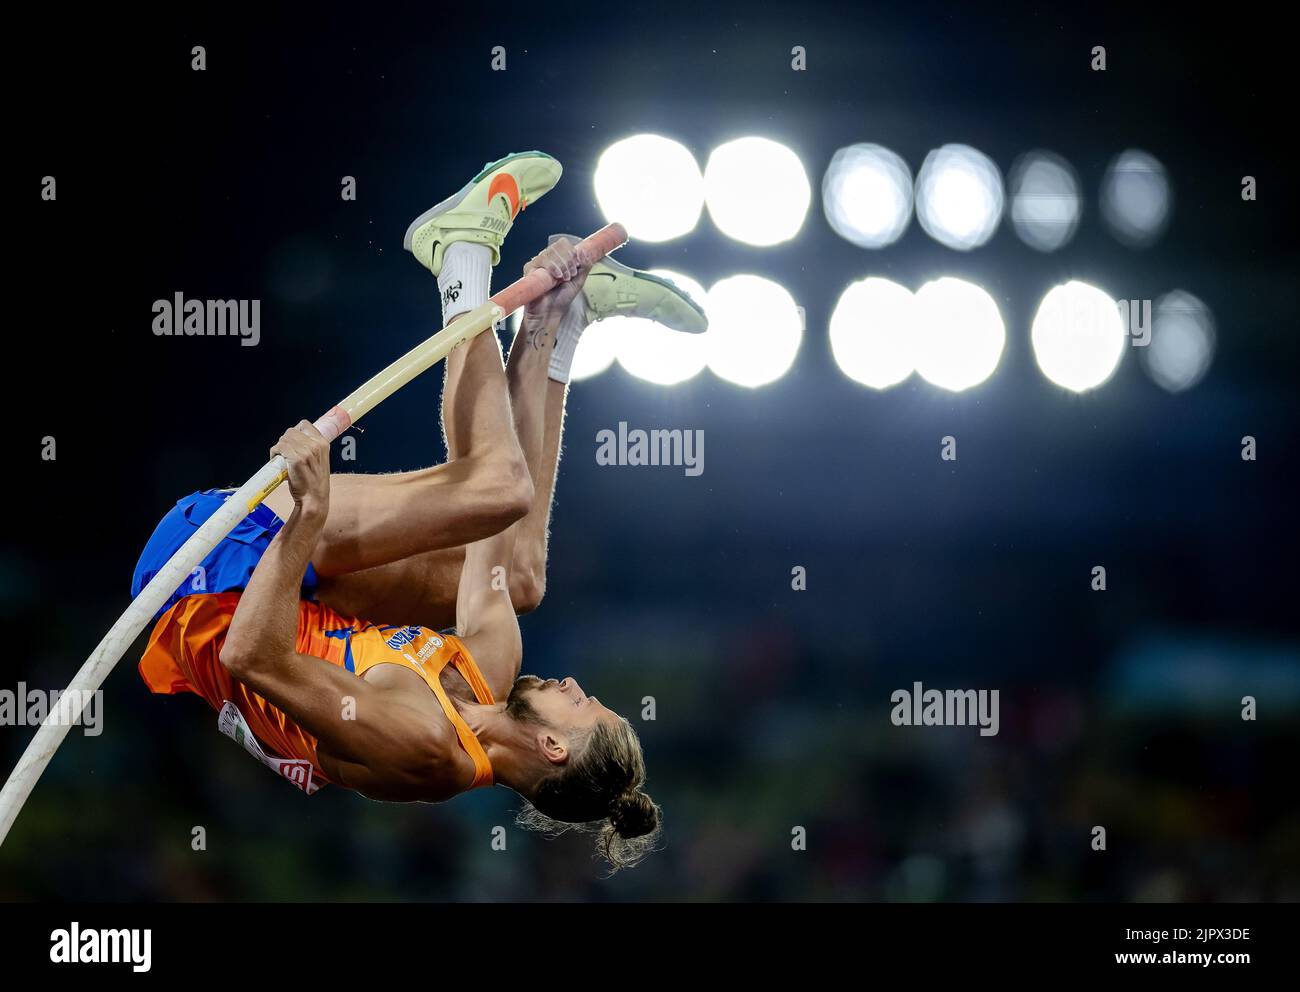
434,669
451,773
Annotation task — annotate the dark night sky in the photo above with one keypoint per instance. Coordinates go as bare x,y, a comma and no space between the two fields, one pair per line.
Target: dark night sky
225,184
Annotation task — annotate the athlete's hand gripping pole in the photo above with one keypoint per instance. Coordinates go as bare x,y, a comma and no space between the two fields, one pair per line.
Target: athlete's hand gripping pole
243,501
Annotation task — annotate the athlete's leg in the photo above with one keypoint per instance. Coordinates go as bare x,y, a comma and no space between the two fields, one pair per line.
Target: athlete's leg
379,519
528,574
540,359
540,362
375,519
422,588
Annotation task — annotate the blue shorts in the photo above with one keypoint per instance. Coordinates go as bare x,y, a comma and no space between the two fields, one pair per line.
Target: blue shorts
230,564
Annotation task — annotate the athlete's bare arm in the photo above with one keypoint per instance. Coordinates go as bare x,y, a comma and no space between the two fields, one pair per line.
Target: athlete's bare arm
389,747
485,617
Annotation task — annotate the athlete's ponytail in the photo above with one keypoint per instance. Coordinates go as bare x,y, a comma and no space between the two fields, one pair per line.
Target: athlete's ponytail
599,790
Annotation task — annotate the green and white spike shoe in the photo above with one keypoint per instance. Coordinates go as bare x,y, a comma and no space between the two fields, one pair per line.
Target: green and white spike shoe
614,289
485,208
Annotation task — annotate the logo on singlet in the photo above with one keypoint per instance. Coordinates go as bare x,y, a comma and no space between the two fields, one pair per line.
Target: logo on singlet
409,635
403,637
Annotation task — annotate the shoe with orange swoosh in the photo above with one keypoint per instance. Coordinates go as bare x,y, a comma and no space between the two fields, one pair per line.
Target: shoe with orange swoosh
484,209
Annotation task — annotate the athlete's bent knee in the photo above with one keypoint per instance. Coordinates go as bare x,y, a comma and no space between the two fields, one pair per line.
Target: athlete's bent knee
527,589
510,491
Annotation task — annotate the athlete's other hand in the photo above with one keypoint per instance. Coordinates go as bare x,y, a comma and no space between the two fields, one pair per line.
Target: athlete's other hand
308,455
568,265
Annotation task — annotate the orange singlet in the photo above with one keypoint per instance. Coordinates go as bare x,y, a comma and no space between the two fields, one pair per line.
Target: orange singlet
183,655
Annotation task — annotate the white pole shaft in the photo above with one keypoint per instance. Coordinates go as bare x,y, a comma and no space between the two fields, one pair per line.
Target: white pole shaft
120,636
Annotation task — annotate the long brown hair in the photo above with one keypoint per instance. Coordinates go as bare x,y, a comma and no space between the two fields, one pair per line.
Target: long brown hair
599,790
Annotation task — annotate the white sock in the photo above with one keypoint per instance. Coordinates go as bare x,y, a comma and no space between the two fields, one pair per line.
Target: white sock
465,278
572,324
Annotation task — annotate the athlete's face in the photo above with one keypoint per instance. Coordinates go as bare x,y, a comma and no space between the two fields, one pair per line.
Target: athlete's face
558,703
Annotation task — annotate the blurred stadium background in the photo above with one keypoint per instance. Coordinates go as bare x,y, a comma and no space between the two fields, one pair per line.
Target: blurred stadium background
916,150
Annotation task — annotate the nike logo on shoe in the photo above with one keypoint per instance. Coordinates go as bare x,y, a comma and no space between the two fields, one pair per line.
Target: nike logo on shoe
504,183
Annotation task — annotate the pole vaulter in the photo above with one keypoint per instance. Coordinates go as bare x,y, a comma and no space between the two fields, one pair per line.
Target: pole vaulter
249,496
